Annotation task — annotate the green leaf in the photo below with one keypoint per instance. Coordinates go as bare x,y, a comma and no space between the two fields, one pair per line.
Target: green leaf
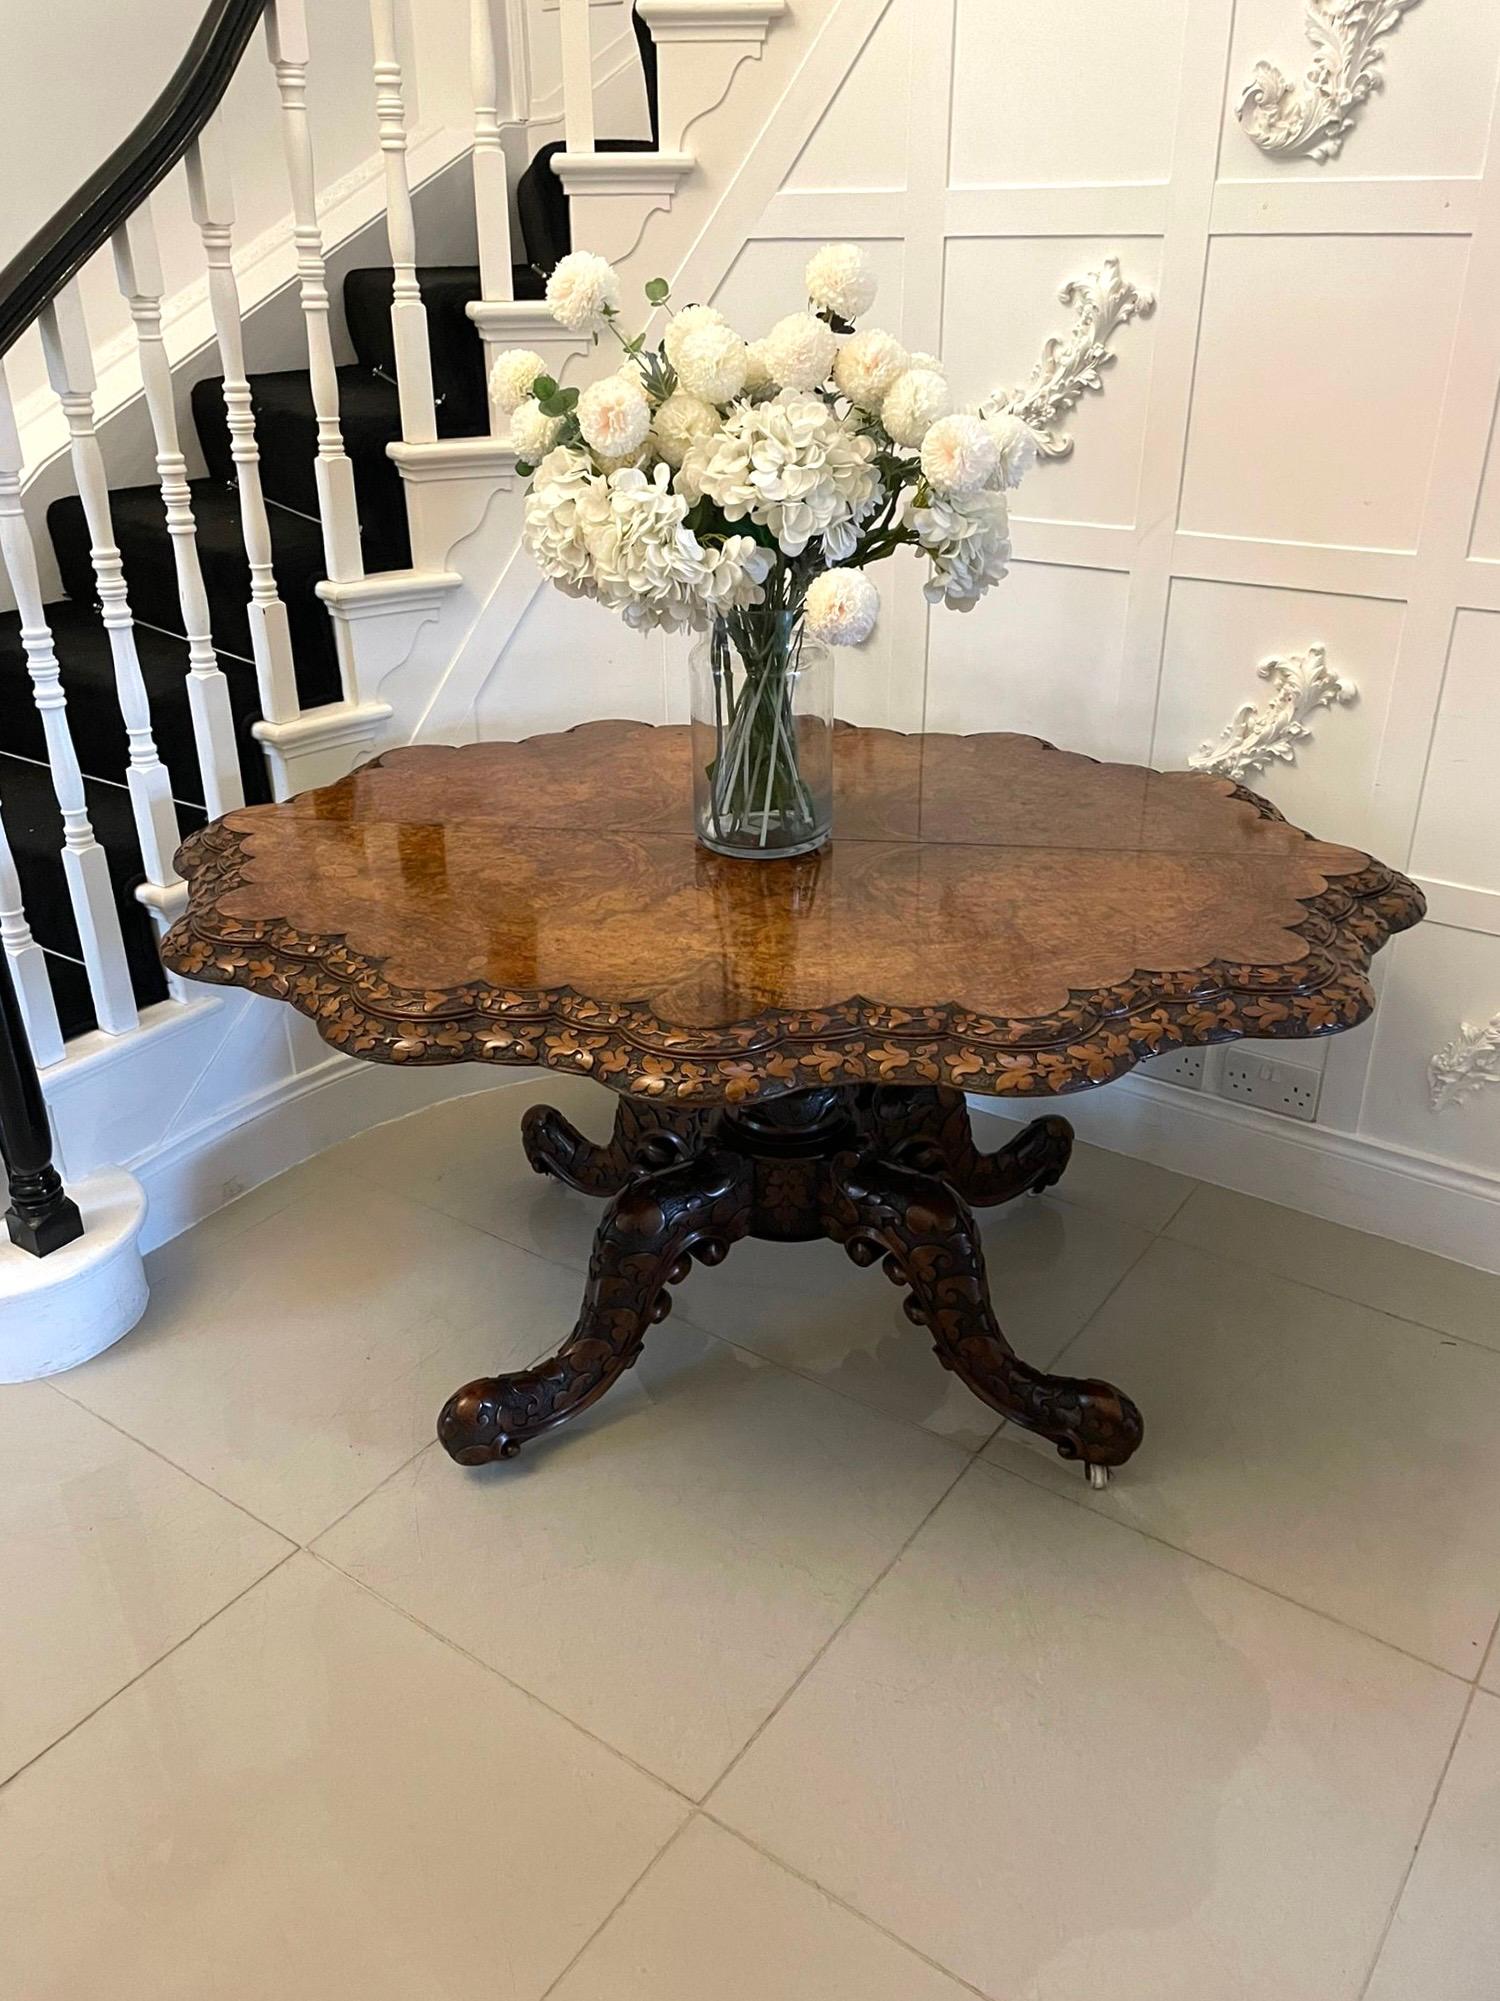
657,291
524,469
543,387
560,404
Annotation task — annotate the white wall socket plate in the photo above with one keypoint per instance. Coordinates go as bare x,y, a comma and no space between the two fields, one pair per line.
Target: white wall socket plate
1253,1079
1177,1066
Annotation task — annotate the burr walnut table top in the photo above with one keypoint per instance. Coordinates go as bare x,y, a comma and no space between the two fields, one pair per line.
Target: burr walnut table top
992,913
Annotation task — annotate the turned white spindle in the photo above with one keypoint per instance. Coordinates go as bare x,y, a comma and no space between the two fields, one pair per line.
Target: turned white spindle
491,181
408,315
85,866
28,965
70,367
138,266
286,44
577,76
212,199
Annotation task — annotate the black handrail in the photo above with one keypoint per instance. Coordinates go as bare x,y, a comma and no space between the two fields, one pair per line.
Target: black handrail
60,250
41,1216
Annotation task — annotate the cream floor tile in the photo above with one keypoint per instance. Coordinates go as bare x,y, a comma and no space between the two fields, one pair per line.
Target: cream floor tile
664,1567
712,1918
294,1364
108,1557
1490,1678
1444,1944
1347,1459
1061,1760
1132,1191
806,1306
1414,1285
314,1798
465,1158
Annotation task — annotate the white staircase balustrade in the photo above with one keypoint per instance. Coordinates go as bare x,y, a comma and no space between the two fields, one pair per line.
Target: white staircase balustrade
85,864
408,314
138,267
286,44
491,178
70,366
212,199
577,76
28,964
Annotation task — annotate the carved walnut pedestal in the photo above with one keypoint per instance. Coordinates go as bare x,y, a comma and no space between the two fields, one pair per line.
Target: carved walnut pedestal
790,1042
889,1173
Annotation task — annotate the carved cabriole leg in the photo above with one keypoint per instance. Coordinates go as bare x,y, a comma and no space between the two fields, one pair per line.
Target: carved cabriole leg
651,1230
928,1128
646,1135
931,1244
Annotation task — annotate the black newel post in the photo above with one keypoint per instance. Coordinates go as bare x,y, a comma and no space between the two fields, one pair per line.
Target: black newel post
41,1216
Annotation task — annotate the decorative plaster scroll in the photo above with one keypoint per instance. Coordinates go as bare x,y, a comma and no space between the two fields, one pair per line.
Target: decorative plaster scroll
1070,363
1313,120
1254,737
1464,1066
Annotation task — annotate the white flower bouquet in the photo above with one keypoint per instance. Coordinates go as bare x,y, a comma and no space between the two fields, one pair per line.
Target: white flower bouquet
744,489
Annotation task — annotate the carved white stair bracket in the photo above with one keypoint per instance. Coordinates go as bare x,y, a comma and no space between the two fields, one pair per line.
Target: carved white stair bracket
1461,1069
1311,121
1071,363
1256,736
700,44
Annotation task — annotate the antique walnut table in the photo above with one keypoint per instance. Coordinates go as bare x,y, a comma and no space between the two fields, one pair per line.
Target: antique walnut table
790,1041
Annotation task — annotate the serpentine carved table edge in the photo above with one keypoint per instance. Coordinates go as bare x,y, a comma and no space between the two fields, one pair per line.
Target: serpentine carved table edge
1100,1035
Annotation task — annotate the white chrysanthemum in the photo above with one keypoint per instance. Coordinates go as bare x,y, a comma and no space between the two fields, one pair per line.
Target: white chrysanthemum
512,376
841,280
1016,443
691,319
842,606
613,414
553,525
582,291
913,404
790,465
757,368
733,574
866,366
968,542
933,363
679,421
712,362
959,456
799,351
533,433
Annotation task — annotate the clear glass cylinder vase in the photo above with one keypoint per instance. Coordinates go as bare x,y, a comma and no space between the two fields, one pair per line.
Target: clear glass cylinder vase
762,696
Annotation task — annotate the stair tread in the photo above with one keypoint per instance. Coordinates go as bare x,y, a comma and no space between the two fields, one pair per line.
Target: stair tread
457,351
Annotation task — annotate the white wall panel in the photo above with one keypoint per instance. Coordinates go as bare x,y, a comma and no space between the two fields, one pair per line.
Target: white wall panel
853,144
567,662
1217,636
1430,118
1485,541
765,282
1321,366
1437,978
1458,828
1044,95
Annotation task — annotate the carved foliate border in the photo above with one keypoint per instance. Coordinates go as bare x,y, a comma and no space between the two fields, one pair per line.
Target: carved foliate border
1101,1034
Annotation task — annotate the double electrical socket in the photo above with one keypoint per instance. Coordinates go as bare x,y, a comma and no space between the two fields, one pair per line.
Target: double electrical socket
1245,1075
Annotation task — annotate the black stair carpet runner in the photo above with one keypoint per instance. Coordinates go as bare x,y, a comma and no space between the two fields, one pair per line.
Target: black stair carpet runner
286,436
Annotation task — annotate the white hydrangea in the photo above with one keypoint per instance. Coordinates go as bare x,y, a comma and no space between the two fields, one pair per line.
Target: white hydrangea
712,362
532,433
866,365
679,421
690,320
582,291
512,376
553,527
787,463
841,280
733,574
645,562
757,368
842,606
968,542
913,404
959,456
613,414
1016,443
799,351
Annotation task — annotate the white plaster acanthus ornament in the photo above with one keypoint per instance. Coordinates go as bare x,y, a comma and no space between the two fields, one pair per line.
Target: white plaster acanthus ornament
1471,1060
1312,120
1071,363
1256,736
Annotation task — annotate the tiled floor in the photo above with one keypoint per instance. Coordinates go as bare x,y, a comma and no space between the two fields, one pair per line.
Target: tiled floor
782,1675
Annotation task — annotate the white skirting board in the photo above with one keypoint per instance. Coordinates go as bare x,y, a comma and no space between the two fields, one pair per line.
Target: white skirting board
1407,1197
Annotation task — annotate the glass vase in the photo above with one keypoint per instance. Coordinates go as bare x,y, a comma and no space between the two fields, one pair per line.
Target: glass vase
762,696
